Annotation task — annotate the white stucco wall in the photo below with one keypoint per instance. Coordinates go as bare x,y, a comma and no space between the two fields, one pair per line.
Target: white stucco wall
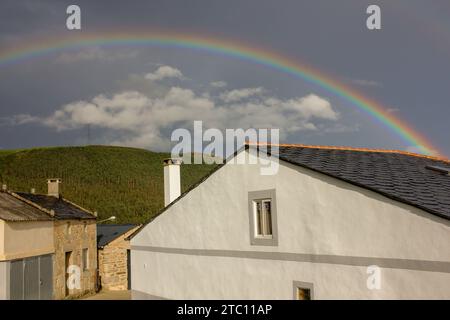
317,215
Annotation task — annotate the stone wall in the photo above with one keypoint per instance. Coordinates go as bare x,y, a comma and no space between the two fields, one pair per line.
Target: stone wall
113,263
74,236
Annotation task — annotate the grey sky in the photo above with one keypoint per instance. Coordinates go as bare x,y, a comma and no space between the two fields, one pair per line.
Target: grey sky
404,66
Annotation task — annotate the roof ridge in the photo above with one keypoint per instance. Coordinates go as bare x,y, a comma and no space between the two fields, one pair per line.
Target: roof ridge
438,158
51,213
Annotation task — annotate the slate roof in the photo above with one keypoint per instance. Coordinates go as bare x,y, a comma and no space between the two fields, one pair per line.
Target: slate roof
63,209
109,232
398,175
14,209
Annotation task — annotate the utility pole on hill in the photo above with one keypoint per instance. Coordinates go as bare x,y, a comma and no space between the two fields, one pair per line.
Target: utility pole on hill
88,134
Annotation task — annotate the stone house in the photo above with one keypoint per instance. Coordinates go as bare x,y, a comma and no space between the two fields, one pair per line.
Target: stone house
330,223
75,242
114,255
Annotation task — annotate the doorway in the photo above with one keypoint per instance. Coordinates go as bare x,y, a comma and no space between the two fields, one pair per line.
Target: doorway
31,278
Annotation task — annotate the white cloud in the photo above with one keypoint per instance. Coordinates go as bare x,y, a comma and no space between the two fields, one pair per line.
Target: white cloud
164,72
142,118
218,84
312,106
145,118
240,94
18,119
95,53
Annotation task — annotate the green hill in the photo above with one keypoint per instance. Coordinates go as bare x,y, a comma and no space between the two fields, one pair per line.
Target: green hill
125,182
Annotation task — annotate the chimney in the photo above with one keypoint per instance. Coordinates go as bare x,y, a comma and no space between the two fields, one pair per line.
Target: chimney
33,191
53,187
172,182
4,187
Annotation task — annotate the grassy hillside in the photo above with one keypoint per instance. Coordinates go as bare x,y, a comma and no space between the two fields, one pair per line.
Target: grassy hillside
124,182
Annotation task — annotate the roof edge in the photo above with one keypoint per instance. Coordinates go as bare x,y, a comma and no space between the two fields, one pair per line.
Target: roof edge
345,148
135,227
81,208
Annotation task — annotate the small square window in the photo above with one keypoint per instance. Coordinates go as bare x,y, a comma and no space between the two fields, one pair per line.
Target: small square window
85,258
263,219
303,294
303,290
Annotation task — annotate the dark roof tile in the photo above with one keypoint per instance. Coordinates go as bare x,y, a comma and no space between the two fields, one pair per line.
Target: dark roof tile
63,209
109,232
403,177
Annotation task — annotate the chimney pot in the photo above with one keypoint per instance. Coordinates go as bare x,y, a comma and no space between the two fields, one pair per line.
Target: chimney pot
53,187
172,180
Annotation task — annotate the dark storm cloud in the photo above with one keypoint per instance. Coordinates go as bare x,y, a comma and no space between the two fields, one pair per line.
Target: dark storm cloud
405,65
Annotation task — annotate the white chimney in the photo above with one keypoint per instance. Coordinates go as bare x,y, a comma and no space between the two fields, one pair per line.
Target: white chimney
53,187
172,181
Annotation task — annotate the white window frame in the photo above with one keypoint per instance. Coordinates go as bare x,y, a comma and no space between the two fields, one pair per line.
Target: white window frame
264,221
261,196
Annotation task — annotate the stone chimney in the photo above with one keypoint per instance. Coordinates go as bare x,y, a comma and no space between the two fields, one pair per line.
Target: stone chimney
172,180
53,187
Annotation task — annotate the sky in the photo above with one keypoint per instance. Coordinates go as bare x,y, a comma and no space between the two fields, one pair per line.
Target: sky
137,96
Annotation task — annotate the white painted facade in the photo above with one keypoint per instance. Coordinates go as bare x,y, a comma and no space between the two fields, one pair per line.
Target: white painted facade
329,232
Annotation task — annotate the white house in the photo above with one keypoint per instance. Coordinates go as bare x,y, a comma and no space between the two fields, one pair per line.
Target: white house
333,223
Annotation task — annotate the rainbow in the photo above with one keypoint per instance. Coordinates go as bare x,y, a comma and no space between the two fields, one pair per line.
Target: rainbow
229,48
